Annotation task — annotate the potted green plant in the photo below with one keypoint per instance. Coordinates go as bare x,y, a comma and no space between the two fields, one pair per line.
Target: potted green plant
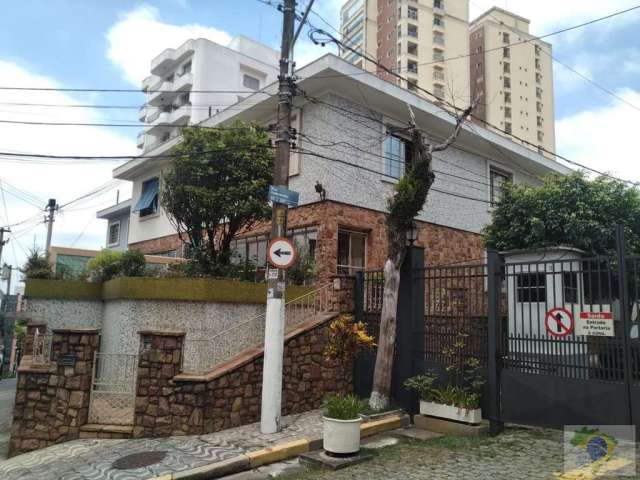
341,435
459,398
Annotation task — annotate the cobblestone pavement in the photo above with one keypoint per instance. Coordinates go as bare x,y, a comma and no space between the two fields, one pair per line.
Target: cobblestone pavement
518,454
7,395
93,459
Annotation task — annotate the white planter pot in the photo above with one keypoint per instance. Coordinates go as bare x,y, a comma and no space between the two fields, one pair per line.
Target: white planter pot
341,437
450,412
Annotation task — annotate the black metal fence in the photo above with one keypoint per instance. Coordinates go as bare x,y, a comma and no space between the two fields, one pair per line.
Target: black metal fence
524,318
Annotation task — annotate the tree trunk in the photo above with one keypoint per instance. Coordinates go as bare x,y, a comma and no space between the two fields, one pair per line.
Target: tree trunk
387,339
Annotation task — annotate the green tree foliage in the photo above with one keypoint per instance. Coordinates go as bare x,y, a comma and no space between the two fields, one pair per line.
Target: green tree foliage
37,265
571,210
109,264
218,188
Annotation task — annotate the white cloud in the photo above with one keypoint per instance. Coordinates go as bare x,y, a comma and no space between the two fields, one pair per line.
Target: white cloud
140,35
603,138
62,181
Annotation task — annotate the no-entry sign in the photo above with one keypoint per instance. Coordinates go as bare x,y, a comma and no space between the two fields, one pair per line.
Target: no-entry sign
281,253
595,324
558,322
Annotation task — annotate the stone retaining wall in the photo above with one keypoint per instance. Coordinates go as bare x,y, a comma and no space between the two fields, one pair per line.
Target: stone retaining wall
52,400
230,395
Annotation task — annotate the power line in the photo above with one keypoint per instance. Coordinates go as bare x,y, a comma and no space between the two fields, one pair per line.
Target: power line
127,90
132,125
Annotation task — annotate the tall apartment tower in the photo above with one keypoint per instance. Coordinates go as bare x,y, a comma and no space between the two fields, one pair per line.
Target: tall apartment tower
190,83
425,41
512,82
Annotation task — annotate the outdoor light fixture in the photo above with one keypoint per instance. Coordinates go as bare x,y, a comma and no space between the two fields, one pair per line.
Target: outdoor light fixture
412,233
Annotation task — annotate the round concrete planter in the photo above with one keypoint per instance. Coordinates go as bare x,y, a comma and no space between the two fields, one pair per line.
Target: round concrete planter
341,437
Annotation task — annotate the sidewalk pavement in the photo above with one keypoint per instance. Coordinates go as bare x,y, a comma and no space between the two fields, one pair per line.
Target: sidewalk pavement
183,457
7,394
93,459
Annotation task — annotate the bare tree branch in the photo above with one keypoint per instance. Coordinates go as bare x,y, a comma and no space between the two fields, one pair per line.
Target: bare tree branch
456,131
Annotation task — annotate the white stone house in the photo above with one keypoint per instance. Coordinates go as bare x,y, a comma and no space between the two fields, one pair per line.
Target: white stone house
349,141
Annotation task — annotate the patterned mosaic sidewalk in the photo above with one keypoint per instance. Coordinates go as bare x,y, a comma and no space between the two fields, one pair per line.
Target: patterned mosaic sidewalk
93,459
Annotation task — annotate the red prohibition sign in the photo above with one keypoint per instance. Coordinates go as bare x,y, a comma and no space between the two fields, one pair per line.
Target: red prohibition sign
559,322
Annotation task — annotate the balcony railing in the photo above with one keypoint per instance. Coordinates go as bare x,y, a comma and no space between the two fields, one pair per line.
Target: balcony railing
438,75
438,57
438,40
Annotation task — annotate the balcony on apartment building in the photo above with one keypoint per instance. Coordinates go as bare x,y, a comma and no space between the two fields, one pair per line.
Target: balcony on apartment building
438,56
164,91
438,75
438,40
170,58
142,113
140,140
438,22
438,6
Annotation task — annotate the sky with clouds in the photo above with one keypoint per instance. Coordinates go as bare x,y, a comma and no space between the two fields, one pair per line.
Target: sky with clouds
109,44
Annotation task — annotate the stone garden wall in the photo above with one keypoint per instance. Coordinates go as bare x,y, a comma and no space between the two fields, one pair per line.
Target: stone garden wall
52,399
172,404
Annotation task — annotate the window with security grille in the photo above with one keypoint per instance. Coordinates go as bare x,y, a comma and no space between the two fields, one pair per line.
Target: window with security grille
250,82
114,233
498,178
532,287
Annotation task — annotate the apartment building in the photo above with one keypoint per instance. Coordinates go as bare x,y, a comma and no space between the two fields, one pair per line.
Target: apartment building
513,77
200,78
425,41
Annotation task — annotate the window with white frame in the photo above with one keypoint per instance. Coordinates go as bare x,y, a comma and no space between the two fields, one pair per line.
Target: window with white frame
397,153
148,202
498,178
352,248
114,233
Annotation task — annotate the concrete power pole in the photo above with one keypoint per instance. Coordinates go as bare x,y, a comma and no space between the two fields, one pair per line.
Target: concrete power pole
274,322
3,242
52,207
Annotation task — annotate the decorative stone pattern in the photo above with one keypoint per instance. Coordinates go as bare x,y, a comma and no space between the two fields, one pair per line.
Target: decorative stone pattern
32,327
52,401
200,321
230,396
66,313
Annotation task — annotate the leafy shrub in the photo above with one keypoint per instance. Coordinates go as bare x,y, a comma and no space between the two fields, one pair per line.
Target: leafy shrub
341,407
132,264
346,338
305,270
424,386
37,265
109,264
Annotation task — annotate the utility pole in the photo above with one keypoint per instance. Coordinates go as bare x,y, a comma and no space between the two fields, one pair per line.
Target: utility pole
3,242
275,321
7,271
52,207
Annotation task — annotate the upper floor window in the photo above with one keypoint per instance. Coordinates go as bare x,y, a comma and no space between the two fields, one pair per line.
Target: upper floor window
531,287
498,179
505,38
148,201
351,251
438,4
412,30
397,154
250,82
186,68
412,12
506,53
114,234
438,20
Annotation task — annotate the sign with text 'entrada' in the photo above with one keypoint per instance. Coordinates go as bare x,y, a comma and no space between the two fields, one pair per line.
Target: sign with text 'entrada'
595,324
282,195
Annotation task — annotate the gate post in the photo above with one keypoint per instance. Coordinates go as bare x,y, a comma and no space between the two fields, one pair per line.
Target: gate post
495,265
358,297
623,291
410,326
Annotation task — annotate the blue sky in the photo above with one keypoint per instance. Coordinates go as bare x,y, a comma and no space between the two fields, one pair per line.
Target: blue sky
109,44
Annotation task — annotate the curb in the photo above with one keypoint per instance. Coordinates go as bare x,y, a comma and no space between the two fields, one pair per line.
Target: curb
277,453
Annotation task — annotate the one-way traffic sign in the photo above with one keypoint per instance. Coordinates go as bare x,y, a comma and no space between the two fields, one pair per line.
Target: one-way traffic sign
281,253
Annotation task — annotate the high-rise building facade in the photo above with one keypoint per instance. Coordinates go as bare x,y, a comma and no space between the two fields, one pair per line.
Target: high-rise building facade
425,41
512,78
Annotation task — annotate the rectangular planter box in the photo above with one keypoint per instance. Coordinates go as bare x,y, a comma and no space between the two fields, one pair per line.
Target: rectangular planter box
450,412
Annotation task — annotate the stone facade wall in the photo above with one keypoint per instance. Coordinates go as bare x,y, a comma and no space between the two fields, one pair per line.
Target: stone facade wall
159,245
229,396
443,244
66,313
52,401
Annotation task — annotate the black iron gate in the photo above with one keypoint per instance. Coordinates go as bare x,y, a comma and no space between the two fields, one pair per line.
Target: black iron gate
539,368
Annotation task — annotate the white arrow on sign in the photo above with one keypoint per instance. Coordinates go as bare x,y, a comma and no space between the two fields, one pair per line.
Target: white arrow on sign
281,253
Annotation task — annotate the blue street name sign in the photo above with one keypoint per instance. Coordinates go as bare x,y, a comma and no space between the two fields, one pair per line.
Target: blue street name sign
282,195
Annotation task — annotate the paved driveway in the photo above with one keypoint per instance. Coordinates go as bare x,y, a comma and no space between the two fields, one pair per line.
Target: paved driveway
7,396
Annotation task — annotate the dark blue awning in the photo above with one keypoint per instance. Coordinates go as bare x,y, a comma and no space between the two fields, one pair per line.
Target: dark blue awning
148,195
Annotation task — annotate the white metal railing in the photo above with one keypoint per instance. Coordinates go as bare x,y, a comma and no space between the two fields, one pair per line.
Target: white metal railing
438,75
41,348
204,354
113,387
